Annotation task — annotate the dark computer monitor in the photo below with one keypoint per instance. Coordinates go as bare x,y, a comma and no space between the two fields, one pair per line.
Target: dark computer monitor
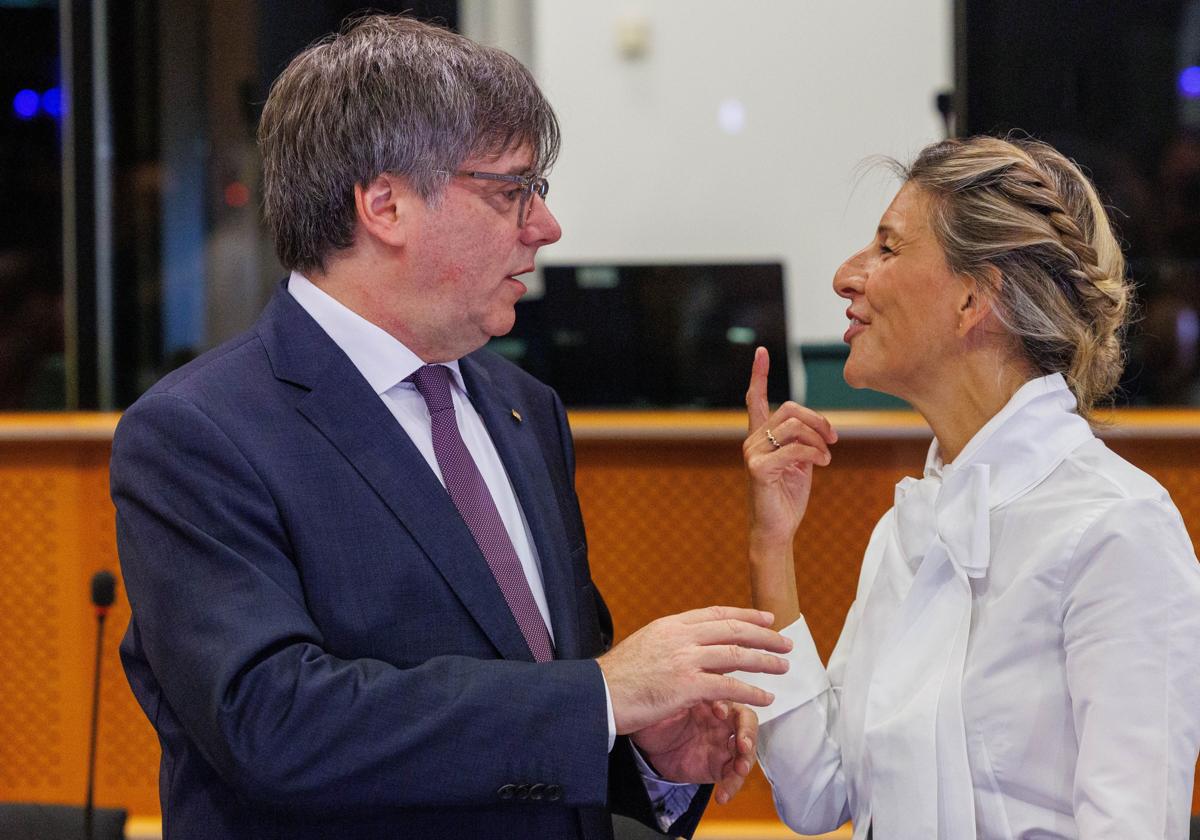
652,336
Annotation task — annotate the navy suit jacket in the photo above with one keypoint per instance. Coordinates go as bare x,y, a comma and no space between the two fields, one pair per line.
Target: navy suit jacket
316,637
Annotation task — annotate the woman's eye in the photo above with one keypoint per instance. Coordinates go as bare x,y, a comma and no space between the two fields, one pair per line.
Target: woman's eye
884,249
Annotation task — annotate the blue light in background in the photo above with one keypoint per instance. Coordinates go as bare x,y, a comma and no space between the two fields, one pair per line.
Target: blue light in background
25,103
1189,82
52,102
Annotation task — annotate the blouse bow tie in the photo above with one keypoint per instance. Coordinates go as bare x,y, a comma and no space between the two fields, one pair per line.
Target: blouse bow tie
951,508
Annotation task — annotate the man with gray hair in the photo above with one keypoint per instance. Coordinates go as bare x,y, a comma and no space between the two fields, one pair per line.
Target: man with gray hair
361,600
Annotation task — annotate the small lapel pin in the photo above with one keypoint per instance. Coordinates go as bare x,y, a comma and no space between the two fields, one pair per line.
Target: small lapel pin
516,415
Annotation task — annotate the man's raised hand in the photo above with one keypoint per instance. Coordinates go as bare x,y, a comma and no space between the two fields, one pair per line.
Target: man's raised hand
675,662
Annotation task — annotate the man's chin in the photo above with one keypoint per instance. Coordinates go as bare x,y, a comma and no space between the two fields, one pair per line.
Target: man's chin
498,329
502,324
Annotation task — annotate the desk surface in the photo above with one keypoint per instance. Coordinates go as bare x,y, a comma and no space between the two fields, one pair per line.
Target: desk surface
654,425
1136,422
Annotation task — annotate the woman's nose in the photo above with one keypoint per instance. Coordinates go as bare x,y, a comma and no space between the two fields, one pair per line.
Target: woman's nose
848,279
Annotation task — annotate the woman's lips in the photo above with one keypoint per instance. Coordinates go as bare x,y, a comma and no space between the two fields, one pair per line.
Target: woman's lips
856,326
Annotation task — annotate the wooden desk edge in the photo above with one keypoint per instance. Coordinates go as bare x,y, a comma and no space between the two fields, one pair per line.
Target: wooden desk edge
761,830
851,425
653,425
58,427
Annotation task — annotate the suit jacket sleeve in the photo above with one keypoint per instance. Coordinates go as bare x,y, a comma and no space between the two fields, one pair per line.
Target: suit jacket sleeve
627,792
231,649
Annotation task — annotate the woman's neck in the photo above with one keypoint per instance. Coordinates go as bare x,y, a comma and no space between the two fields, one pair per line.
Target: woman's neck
959,403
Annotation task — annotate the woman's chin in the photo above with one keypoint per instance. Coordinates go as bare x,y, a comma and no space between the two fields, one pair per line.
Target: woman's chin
854,375
858,378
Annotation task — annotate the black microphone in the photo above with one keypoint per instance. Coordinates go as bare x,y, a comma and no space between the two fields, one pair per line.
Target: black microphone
104,592
104,589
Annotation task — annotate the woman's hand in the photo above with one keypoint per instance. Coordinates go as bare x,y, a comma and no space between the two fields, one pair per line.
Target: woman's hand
780,453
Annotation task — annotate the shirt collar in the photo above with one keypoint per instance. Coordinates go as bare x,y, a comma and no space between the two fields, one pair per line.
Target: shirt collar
1024,442
382,360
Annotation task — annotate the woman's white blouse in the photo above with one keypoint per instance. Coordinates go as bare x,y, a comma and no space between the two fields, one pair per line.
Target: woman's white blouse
1022,658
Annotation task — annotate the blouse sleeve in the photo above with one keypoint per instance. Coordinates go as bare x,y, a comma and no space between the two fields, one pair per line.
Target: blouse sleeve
797,743
1131,631
799,753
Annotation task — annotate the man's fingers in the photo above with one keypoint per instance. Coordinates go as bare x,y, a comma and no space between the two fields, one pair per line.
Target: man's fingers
739,766
735,771
731,781
741,633
745,744
722,659
745,729
757,408
760,617
725,687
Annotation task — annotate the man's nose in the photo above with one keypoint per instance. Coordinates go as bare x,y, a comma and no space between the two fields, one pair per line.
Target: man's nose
541,228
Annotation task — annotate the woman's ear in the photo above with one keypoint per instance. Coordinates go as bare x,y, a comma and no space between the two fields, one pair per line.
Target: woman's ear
386,209
977,303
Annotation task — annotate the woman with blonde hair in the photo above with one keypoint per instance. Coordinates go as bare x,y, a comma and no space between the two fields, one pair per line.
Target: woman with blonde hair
1020,658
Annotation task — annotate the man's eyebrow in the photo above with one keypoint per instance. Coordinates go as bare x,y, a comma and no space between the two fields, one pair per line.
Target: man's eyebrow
519,168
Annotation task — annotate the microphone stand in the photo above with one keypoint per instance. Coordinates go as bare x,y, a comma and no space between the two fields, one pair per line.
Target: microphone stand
89,803
103,595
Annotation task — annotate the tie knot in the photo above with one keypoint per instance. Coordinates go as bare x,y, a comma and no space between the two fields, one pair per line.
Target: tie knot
433,383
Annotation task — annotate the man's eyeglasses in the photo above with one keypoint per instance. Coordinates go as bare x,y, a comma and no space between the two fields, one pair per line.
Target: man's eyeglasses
531,185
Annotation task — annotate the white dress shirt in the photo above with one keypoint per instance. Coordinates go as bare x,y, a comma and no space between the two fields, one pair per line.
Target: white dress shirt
385,363
1021,658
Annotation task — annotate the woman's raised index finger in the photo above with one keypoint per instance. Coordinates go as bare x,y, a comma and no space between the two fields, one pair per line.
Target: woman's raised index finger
757,407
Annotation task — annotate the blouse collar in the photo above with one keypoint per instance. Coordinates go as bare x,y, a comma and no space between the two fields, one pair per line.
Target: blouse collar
1023,443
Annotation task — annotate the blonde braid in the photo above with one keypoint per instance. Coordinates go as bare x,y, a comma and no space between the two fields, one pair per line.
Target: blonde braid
1025,223
1098,272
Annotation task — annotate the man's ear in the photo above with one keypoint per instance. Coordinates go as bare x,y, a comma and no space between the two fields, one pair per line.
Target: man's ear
387,209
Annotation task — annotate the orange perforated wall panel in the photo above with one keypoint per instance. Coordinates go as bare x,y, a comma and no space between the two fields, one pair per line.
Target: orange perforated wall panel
56,530
664,502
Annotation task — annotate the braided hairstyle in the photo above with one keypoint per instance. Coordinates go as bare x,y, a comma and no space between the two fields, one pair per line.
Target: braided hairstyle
1026,225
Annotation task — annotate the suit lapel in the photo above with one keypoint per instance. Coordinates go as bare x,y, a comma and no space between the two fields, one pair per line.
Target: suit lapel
525,464
352,417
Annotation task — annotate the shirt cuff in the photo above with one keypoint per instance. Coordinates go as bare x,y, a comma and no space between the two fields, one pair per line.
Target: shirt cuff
806,677
612,720
670,800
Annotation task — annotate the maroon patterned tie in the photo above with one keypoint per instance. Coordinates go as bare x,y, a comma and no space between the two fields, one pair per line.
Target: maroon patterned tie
470,494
